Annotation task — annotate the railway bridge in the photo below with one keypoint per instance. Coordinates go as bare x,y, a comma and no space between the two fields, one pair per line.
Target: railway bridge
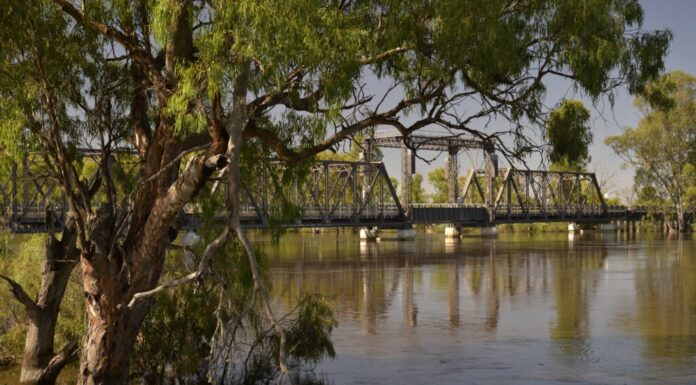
362,194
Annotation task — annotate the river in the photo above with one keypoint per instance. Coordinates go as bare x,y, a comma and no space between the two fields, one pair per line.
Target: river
514,309
544,309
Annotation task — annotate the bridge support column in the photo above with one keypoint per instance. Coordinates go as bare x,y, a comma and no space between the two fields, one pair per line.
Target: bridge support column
408,168
452,172
574,227
452,231
406,234
491,160
369,234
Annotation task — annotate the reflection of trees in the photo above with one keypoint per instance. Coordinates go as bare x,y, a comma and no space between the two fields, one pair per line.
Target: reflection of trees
365,289
666,301
443,278
365,280
574,280
453,294
474,275
492,300
410,307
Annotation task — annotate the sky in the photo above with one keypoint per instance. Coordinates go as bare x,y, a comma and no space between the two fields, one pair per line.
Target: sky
679,16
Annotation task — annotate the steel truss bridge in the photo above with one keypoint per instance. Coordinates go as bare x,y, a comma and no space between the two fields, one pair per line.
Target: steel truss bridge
358,194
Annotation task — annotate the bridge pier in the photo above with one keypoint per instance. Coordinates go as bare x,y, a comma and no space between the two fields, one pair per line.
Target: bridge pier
408,168
491,160
452,231
369,234
452,172
574,227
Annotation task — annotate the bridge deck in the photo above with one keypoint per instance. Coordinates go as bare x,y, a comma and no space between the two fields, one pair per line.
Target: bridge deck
360,194
34,219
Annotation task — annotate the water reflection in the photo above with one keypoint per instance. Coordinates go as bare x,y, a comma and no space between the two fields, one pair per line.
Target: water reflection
665,286
575,279
543,308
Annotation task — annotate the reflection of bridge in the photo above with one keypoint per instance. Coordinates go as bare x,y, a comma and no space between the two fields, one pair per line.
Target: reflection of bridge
361,194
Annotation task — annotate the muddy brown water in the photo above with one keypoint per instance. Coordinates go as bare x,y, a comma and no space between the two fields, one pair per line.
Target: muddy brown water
516,309
544,309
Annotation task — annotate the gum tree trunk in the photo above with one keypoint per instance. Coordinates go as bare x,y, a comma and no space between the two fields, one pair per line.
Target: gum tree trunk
113,275
40,364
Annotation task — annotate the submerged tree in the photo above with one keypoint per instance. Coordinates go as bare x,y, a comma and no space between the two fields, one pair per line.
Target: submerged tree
660,146
201,88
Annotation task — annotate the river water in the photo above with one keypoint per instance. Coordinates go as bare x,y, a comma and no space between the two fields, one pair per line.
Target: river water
515,309
544,309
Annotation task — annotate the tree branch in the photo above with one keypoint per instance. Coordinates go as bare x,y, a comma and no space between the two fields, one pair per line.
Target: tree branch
208,253
128,42
21,295
290,155
67,355
382,56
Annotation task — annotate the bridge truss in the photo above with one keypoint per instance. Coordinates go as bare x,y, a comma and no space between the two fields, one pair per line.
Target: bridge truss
525,195
25,196
332,193
349,194
451,144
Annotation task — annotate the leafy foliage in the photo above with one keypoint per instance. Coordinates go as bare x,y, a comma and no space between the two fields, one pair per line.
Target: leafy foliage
438,180
18,259
418,194
569,133
659,148
160,77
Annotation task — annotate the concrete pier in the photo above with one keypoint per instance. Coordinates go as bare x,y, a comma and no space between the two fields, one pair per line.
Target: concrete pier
574,227
452,232
369,234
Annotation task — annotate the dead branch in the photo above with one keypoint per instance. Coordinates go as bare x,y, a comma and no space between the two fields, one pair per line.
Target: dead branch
207,255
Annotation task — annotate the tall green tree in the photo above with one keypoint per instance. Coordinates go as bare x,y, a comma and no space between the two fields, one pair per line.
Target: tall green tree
660,145
417,190
438,180
570,136
220,84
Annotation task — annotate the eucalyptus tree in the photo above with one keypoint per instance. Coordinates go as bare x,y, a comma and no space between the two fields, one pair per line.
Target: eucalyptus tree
660,146
438,179
211,84
570,136
418,194
55,87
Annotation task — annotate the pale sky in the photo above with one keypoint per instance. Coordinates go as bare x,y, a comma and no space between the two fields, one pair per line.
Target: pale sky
677,15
